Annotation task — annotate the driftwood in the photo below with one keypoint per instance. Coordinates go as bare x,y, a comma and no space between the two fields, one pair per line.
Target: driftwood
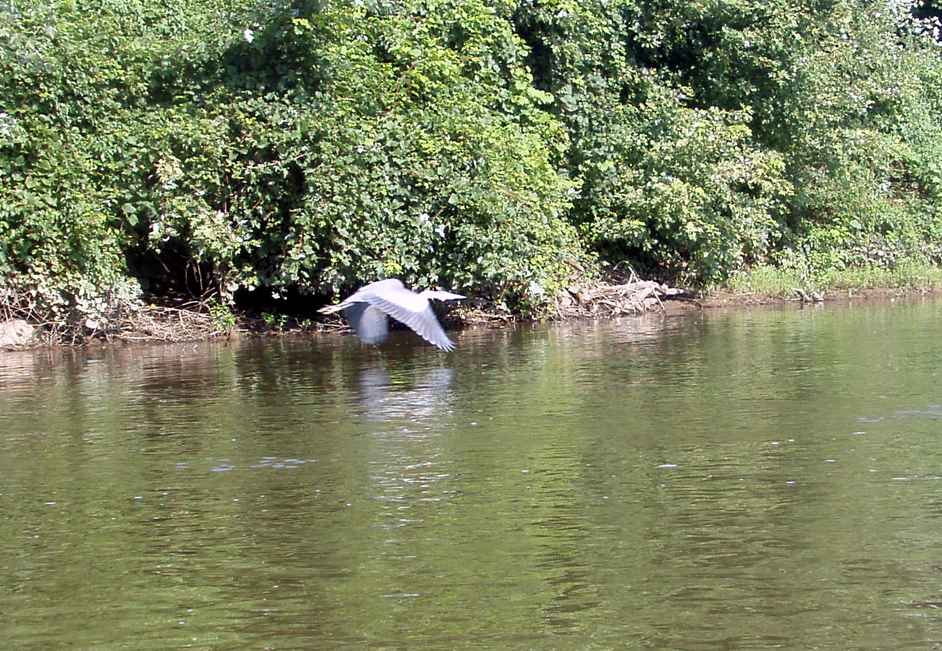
603,300
162,323
473,313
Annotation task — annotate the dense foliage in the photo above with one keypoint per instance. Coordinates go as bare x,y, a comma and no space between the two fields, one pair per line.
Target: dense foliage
300,147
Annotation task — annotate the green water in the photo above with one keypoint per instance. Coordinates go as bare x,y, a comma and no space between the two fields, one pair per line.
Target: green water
743,480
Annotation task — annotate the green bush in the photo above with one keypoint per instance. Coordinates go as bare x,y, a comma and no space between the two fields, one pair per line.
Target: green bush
74,159
61,249
309,148
846,94
680,186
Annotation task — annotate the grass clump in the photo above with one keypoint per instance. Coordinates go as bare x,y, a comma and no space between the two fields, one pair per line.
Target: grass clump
773,282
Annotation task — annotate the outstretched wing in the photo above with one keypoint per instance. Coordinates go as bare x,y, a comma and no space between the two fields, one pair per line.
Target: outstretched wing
362,294
413,310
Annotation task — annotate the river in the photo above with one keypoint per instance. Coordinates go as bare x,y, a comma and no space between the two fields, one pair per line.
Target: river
749,479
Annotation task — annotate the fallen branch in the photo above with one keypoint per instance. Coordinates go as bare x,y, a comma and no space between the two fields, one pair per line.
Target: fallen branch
604,300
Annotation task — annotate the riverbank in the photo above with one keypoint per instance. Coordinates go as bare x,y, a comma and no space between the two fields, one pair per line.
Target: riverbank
188,320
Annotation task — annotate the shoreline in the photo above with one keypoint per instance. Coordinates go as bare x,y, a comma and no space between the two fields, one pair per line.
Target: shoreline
726,299
729,298
164,324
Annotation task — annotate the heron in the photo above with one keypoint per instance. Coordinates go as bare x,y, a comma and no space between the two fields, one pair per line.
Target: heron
369,308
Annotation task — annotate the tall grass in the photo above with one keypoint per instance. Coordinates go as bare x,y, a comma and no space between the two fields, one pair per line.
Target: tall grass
772,282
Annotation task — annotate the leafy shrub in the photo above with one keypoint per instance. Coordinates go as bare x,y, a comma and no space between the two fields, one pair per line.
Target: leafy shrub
682,187
711,136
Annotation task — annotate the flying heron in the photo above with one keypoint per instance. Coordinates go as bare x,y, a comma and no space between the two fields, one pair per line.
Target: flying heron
368,310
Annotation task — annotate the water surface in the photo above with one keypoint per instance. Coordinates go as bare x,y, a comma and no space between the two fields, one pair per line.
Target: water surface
739,480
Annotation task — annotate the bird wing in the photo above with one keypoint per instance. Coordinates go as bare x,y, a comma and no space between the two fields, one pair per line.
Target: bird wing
360,296
390,297
414,311
371,324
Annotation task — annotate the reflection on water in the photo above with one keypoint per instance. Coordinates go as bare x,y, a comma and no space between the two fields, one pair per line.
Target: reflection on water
384,400
748,480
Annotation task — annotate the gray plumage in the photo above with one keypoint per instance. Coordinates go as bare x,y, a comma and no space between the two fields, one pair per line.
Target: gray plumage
368,310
